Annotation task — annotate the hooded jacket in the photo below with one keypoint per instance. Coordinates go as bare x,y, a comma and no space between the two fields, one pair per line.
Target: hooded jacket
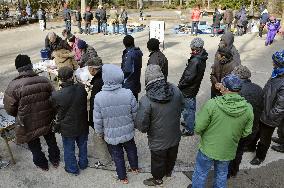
27,99
158,58
115,108
131,66
273,98
159,115
193,74
221,123
71,105
64,58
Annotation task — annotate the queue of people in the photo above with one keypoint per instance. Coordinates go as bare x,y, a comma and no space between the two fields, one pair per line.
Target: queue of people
116,111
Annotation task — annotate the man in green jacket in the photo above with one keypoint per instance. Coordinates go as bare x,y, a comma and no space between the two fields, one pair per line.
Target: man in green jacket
221,123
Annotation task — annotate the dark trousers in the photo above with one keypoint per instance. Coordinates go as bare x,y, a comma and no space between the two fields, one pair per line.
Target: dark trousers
79,24
261,27
125,28
136,96
194,27
99,26
87,28
71,164
115,25
280,131
39,158
235,164
264,140
68,25
163,162
117,155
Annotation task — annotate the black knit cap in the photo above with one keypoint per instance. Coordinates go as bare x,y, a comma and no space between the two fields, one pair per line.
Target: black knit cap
153,44
22,60
128,41
65,73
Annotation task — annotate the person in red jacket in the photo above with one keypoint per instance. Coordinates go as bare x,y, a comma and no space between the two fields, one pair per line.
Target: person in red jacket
195,17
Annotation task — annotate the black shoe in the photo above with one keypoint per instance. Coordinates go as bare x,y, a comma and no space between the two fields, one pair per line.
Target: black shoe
187,133
44,168
182,123
279,148
277,140
256,161
153,182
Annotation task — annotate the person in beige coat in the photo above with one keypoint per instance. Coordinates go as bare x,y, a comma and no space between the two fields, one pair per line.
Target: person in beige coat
64,58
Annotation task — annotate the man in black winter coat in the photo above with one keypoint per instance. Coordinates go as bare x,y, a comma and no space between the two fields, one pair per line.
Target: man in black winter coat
98,17
253,93
190,81
273,111
88,17
72,120
131,66
78,17
157,57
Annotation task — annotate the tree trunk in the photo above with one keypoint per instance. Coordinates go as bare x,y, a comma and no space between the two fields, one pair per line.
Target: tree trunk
180,3
170,2
83,7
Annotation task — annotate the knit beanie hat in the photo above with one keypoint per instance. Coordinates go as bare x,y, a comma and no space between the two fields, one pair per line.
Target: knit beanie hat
22,60
197,43
153,44
242,71
278,59
82,44
65,73
153,73
232,82
95,62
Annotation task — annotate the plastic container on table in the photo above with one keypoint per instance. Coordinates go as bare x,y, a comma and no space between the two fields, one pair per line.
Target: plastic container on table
45,55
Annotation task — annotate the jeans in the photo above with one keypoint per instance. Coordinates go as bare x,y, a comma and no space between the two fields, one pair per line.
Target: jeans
189,113
87,28
265,133
68,25
53,150
194,27
202,168
99,26
115,25
163,162
125,28
117,155
70,160
104,27
79,24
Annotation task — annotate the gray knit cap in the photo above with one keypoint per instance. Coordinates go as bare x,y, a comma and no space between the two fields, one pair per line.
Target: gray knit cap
242,71
197,43
153,73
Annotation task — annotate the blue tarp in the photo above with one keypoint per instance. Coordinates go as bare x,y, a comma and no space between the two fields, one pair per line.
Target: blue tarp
130,30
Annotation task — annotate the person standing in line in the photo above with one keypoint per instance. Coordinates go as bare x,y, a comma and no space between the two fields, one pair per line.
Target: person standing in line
41,14
104,20
114,20
88,17
254,95
123,19
219,140
101,152
71,120
131,66
78,18
264,18
273,112
159,116
114,113
157,57
195,18
190,82
67,18
29,10
273,27
217,17
98,17
228,19
27,99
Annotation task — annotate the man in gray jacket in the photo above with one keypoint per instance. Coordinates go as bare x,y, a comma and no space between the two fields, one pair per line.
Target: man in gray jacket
159,116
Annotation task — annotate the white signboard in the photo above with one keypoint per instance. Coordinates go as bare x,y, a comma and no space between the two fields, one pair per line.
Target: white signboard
157,30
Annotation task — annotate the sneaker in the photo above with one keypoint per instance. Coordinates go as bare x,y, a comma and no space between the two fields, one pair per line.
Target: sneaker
279,148
153,182
72,173
256,161
99,164
277,140
4,164
125,181
187,133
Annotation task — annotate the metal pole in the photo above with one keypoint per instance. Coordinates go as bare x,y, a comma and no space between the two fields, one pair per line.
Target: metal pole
83,7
